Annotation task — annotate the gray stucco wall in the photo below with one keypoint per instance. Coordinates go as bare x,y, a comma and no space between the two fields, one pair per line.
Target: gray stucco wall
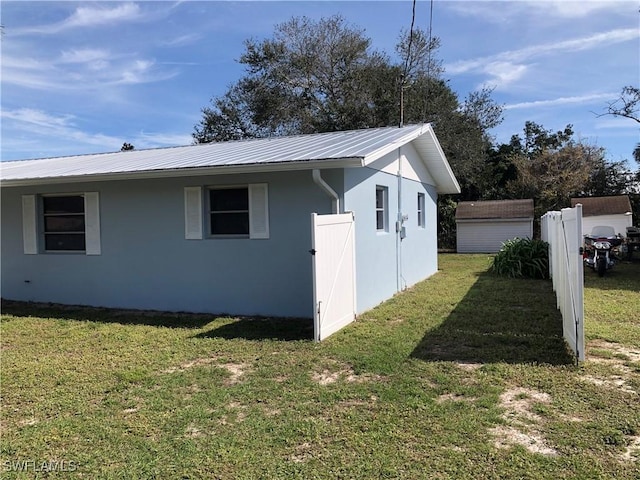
384,263
147,263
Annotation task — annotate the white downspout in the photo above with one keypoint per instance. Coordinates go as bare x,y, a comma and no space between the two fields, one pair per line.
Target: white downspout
335,203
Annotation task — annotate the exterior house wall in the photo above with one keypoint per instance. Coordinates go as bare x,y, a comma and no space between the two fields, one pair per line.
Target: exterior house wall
384,263
146,262
487,236
619,222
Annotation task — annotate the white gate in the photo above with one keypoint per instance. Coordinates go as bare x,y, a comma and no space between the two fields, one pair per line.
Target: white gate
563,231
334,284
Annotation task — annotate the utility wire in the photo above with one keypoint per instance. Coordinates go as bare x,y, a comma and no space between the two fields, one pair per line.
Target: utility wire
406,64
426,97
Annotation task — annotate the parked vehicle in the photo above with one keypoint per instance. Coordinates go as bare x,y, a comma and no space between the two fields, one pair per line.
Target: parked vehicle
601,248
633,241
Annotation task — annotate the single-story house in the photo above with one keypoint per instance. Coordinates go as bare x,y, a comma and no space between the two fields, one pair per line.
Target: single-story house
483,226
296,226
613,211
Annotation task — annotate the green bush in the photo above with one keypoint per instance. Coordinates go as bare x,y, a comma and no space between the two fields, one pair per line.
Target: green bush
522,258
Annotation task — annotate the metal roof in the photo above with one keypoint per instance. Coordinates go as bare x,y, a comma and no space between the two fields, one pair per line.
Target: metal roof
323,150
495,209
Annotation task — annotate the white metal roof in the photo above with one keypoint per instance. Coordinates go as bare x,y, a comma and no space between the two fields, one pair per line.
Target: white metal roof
323,150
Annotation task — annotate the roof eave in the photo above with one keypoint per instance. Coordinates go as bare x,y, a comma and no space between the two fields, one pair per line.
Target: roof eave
445,184
348,162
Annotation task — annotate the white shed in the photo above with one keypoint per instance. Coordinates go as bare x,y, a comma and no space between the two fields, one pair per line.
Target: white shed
612,211
482,227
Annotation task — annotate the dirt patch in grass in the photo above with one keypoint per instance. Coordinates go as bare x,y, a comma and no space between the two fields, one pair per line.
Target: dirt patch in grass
302,453
632,452
615,356
614,381
469,367
236,370
620,351
340,372
522,423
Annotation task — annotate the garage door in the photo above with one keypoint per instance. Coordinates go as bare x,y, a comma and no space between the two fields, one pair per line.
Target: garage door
488,237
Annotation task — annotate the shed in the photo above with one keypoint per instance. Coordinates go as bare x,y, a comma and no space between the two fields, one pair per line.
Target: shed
483,226
323,226
613,211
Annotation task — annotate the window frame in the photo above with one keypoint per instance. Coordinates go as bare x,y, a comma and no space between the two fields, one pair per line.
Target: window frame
384,209
421,210
43,215
211,212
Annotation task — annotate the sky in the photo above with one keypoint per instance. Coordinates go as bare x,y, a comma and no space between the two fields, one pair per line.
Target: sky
85,77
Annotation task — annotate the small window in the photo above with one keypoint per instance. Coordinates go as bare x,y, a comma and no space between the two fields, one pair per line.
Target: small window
421,210
64,223
382,208
229,211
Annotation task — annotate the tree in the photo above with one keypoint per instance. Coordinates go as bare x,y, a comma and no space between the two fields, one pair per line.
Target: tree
626,105
310,77
319,76
126,146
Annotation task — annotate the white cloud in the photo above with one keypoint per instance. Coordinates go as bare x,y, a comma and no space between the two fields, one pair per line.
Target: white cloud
504,68
581,99
58,131
182,40
83,55
540,10
527,53
92,16
37,118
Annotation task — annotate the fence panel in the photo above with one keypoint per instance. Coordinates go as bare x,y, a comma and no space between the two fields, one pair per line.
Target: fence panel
563,231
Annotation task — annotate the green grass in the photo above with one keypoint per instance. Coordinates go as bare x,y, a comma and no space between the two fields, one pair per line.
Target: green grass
431,384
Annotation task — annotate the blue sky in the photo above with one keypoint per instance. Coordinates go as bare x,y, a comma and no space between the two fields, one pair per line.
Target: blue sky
84,77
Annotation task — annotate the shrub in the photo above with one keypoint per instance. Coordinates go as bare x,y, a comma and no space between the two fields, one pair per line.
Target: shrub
522,258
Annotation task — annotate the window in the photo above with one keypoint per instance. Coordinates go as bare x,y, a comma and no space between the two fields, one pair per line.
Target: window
229,211
421,210
61,223
382,208
64,223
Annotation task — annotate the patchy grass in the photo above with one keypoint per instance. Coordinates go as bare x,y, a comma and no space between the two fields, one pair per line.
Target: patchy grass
463,376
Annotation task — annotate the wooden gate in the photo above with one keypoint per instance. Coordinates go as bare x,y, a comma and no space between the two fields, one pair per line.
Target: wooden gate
334,280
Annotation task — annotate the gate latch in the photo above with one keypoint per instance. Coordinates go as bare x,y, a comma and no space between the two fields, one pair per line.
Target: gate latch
312,251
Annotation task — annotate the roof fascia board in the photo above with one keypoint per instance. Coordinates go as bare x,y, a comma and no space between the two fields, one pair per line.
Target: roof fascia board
390,147
348,162
450,173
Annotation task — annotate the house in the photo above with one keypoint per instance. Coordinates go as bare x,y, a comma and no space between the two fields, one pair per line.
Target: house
482,227
321,225
614,211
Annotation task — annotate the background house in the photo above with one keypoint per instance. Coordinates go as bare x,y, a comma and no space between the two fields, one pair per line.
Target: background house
614,211
482,227
225,227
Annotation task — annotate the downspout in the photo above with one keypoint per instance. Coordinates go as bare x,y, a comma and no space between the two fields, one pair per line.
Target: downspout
399,223
335,199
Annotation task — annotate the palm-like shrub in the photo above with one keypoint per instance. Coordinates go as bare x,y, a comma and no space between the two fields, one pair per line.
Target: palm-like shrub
522,258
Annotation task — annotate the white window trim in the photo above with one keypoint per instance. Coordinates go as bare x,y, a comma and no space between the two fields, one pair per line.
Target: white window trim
193,213
33,224
384,209
421,210
29,225
258,211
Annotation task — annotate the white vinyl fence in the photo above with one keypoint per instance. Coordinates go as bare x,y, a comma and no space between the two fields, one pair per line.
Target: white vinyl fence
563,231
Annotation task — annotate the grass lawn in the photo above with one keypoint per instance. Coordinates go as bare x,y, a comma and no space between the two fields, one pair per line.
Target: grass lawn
464,376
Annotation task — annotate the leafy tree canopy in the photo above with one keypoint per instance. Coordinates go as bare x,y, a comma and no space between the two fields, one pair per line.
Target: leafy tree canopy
318,76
